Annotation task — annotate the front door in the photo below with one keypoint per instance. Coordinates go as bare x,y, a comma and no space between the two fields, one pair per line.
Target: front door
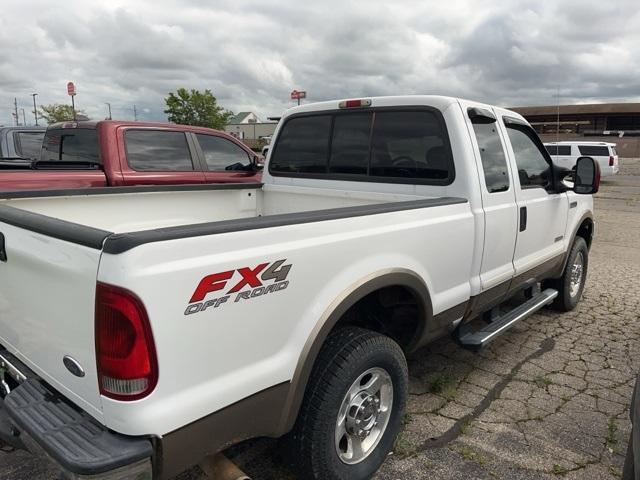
542,214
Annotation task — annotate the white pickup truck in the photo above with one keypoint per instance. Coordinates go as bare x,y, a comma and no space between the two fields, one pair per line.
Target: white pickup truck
144,328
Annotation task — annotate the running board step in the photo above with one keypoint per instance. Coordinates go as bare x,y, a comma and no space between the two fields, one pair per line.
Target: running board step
482,337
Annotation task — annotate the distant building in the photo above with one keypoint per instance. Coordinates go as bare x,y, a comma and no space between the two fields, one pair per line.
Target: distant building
247,126
588,119
612,122
244,117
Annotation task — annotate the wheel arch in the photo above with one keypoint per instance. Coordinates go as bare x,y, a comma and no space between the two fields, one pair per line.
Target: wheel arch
350,297
585,229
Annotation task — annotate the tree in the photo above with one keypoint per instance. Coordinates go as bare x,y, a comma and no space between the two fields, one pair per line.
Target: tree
58,112
196,108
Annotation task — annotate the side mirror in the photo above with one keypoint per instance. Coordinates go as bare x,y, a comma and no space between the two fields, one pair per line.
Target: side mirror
587,176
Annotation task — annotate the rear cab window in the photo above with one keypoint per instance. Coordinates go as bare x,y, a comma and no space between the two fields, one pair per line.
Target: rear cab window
378,145
70,145
28,144
157,150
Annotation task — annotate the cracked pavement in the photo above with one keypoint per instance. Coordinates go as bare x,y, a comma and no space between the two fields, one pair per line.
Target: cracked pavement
547,399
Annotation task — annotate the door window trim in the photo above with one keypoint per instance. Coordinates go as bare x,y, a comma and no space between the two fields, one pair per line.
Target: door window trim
366,178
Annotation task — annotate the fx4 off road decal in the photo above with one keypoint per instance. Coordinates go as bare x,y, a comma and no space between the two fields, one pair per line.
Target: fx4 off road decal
239,285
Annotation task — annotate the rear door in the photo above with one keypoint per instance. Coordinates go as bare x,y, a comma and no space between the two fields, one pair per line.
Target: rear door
498,196
542,214
224,160
152,156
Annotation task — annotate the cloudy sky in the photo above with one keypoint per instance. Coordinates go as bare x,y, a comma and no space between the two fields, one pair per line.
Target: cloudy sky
252,53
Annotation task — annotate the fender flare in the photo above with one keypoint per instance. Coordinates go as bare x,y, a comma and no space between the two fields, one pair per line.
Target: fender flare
332,315
586,216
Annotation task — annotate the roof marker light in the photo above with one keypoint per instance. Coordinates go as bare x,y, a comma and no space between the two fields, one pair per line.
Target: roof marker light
355,103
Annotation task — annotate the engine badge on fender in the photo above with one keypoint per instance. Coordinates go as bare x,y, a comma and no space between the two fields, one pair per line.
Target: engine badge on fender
262,279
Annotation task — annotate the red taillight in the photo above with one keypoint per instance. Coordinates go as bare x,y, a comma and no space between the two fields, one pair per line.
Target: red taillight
611,161
354,103
125,352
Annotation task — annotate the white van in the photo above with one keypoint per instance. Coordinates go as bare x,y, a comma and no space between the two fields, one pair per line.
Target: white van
565,154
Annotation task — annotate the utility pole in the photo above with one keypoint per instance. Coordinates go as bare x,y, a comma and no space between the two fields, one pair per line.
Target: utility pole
24,118
15,107
135,113
35,109
109,105
73,107
558,119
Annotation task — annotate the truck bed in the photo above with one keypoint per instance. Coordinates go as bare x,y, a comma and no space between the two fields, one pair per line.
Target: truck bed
131,209
159,242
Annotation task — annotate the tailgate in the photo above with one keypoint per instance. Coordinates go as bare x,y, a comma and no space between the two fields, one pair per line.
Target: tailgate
47,292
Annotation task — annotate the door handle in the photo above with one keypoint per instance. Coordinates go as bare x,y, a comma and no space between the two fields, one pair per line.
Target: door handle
3,251
523,219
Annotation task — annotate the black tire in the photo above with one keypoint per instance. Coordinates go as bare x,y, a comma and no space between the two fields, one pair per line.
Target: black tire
565,301
347,353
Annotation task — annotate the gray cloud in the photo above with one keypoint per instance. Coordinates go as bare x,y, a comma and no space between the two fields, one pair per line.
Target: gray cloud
251,54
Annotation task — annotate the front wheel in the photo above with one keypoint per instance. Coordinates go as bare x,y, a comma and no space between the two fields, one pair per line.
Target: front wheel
353,406
571,284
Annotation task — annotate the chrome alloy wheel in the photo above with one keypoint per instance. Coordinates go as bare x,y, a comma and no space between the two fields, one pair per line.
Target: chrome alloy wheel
577,270
364,415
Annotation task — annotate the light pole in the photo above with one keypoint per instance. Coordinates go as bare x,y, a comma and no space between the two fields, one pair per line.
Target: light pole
24,118
108,105
35,110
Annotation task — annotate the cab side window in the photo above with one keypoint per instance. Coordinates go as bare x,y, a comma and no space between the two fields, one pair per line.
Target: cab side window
157,151
533,169
494,161
222,154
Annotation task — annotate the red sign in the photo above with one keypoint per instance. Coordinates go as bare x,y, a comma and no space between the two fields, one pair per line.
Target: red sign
297,95
71,89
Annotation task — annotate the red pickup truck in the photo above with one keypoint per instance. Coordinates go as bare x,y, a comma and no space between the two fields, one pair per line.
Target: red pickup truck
120,153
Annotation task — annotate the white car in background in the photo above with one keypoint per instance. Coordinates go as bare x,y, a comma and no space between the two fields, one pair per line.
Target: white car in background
565,154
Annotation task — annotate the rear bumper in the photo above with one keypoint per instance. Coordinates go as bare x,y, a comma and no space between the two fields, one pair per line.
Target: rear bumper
34,417
608,171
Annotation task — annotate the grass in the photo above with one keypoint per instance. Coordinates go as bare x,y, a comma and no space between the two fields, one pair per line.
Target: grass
472,455
559,470
541,381
406,419
449,393
440,382
403,446
466,427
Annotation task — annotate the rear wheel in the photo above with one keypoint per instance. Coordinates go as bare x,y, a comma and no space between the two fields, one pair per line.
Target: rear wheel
571,284
353,406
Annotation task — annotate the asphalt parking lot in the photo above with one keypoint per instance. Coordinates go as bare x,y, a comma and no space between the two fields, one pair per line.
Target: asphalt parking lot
548,399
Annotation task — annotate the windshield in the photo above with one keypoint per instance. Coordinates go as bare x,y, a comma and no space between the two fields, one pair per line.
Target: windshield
71,145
